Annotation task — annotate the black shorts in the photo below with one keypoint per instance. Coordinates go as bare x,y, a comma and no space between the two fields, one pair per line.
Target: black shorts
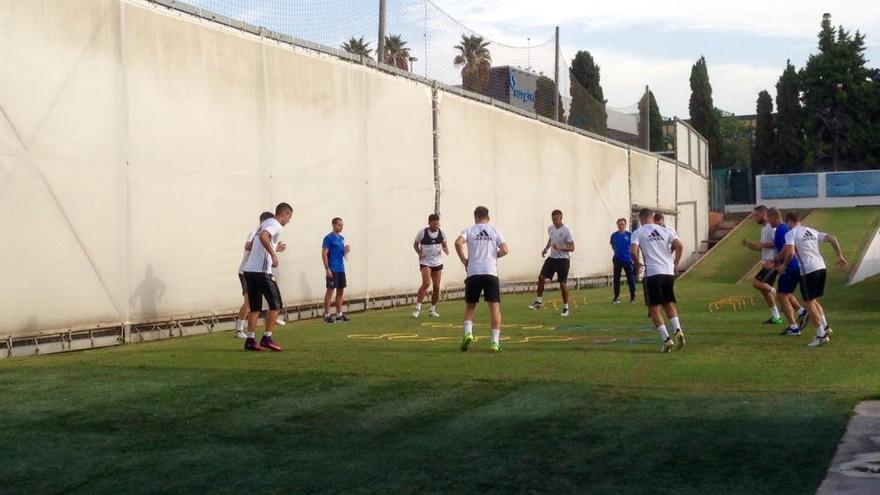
438,268
813,285
260,285
788,281
767,275
557,266
337,281
659,289
243,282
487,285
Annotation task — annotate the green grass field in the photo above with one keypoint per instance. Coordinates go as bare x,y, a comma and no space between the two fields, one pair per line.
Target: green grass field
388,404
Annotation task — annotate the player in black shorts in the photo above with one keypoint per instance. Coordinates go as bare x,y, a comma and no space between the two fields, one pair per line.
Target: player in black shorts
766,277
560,244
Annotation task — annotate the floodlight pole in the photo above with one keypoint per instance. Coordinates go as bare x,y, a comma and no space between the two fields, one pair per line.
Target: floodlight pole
556,108
380,51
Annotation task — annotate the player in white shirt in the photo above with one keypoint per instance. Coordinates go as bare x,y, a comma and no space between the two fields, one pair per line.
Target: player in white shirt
430,245
241,321
560,243
260,281
766,277
485,245
662,252
803,242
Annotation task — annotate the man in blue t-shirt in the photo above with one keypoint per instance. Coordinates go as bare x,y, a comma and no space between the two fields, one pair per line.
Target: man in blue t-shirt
788,279
333,252
620,242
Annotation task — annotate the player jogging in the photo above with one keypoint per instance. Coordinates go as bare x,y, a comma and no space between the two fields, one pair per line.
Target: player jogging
259,279
794,313
485,245
803,242
766,277
622,261
241,320
560,243
662,252
333,252
430,245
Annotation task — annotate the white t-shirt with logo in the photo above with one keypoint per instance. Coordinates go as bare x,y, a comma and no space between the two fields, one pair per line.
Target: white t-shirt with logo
432,254
259,260
560,237
806,246
247,253
483,241
767,236
655,242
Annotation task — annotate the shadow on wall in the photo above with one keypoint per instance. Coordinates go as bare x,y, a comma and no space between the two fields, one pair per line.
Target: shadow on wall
149,292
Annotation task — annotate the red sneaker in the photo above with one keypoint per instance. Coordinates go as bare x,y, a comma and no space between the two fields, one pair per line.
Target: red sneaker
268,343
251,345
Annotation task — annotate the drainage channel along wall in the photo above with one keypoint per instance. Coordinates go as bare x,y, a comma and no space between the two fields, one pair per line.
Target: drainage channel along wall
138,145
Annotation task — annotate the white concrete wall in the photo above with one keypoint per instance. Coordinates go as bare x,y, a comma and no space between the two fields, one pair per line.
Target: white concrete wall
138,146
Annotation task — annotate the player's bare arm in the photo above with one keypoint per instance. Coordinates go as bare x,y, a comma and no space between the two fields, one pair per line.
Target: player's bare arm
842,263
459,248
503,250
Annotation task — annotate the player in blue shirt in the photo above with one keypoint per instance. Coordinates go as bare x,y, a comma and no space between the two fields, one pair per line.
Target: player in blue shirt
788,279
333,252
620,242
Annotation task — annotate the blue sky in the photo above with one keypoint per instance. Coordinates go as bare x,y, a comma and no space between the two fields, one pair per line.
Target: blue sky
638,42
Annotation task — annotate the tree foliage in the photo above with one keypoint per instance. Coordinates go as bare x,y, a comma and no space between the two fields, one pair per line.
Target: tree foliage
764,152
587,100
655,121
545,88
704,117
789,121
475,61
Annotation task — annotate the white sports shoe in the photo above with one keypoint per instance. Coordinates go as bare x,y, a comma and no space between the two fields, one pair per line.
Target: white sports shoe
239,334
819,341
434,314
668,345
279,321
416,313
536,305
565,312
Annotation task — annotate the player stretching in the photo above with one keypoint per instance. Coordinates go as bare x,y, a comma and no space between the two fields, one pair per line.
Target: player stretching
259,279
484,246
789,278
622,261
430,244
803,242
241,321
662,251
766,277
333,252
560,244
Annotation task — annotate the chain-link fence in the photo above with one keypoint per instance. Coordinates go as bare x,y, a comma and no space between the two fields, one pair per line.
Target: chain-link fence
423,39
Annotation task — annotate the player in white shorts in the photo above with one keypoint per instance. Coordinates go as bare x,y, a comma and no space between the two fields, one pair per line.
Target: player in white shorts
662,252
766,277
485,245
803,242
430,245
560,243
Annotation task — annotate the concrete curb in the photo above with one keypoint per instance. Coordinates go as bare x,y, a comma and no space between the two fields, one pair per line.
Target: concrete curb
855,469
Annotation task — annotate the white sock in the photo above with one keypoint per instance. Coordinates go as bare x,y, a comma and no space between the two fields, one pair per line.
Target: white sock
239,325
418,306
824,322
802,311
773,290
267,334
676,325
663,333
434,307
539,299
774,312
339,314
250,335
468,327
793,326
496,334
565,306
820,332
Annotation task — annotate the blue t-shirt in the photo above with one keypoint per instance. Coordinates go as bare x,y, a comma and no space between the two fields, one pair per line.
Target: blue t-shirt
335,244
779,242
621,243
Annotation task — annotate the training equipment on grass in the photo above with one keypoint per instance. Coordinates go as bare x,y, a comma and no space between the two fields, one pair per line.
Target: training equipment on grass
734,302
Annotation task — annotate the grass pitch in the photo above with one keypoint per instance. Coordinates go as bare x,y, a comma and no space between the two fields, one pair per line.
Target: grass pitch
388,404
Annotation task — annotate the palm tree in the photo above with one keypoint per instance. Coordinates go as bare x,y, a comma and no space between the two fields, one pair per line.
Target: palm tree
475,61
396,52
357,46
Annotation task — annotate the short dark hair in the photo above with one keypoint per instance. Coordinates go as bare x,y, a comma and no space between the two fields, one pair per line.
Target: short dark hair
265,216
283,208
645,213
658,216
433,217
773,212
760,208
620,219
481,212
335,220
792,216
556,212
